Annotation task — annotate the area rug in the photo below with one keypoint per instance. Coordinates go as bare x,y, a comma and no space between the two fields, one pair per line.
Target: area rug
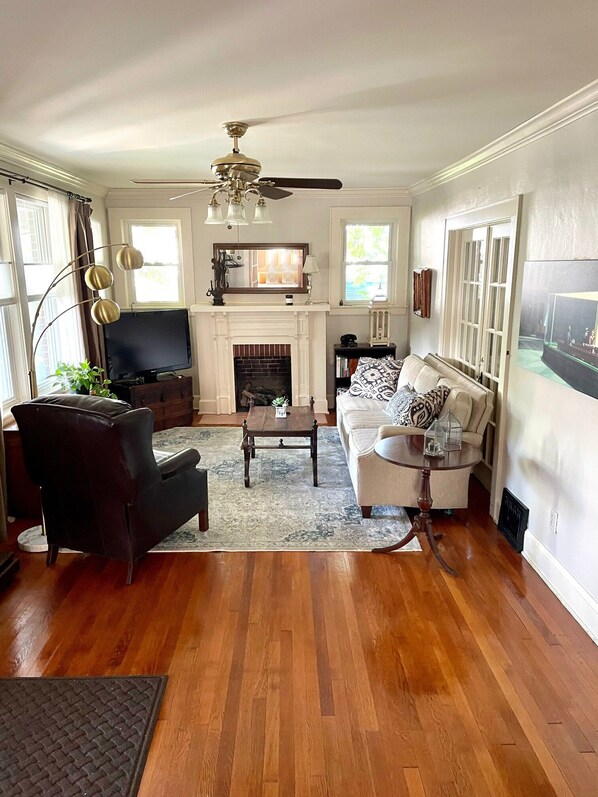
76,736
282,510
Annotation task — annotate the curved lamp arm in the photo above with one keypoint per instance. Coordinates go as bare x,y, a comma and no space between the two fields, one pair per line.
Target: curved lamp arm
58,277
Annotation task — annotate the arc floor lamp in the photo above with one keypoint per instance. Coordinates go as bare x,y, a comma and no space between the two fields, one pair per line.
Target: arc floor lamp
102,311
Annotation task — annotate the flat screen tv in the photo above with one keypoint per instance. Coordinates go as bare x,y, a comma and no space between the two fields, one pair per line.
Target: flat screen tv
146,343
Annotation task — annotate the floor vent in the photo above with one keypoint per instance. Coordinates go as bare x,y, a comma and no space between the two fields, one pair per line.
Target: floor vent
512,520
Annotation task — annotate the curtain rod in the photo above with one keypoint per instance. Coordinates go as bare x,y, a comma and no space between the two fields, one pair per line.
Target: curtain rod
20,178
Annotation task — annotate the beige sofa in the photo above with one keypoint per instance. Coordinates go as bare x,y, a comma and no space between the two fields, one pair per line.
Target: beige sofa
362,422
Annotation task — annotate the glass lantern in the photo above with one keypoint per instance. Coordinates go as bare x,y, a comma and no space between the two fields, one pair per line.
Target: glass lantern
434,441
453,432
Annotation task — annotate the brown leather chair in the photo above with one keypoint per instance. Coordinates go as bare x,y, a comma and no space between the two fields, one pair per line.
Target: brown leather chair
102,490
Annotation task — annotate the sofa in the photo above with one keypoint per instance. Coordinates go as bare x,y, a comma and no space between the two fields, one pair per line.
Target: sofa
361,422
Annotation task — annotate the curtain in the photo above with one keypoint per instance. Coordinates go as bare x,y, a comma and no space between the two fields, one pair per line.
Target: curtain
82,241
65,294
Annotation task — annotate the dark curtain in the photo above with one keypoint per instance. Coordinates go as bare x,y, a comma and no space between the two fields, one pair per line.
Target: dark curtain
82,241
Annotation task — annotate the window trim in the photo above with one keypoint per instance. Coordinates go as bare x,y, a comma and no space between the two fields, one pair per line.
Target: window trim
119,220
400,218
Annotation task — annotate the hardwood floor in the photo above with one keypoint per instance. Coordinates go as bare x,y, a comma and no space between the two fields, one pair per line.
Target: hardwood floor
316,674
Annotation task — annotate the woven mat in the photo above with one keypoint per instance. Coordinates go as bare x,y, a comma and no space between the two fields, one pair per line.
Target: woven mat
76,736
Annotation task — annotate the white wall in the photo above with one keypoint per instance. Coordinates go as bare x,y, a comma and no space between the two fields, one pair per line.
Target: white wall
552,452
303,217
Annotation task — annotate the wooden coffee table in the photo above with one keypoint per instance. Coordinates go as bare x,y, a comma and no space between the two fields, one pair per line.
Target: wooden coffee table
408,451
262,422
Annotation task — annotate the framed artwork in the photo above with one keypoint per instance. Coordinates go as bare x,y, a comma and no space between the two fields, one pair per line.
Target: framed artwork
559,321
422,283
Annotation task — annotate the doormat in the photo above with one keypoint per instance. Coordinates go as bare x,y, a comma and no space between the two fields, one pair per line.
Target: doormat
76,736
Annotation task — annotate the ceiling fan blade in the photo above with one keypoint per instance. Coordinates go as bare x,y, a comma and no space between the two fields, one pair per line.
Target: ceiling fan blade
303,182
188,193
272,192
175,182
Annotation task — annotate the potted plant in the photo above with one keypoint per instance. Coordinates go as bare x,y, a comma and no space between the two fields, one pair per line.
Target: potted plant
83,378
280,404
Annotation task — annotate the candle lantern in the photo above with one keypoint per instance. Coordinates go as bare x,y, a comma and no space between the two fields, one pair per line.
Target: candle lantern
453,432
434,441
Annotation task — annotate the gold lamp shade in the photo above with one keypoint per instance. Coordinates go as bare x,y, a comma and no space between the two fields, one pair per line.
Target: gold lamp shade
98,278
105,311
128,258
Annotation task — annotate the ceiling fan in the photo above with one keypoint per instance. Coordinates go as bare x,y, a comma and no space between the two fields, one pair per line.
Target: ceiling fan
238,177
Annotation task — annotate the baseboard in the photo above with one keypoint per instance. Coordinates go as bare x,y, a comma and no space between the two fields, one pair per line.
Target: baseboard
575,598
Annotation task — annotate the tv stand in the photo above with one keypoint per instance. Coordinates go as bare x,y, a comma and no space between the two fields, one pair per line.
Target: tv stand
170,400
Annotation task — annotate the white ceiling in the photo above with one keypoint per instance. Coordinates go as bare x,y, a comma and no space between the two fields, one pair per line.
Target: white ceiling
378,93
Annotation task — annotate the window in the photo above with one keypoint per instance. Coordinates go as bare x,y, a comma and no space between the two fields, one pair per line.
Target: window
160,280
34,246
367,261
369,250
164,237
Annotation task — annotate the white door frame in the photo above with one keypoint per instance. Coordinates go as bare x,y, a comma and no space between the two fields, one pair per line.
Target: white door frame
508,211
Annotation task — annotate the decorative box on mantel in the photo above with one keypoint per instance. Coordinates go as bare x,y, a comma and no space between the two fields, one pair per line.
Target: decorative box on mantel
216,330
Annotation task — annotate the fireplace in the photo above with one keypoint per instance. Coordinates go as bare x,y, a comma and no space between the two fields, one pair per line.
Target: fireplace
262,372
296,330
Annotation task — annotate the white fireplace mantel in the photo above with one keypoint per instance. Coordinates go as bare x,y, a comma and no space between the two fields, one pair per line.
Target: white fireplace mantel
216,329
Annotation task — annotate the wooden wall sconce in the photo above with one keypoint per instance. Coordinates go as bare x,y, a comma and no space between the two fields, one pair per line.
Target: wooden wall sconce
422,283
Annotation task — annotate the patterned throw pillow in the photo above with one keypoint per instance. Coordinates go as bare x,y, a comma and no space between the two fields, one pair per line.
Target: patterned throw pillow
424,407
375,378
399,402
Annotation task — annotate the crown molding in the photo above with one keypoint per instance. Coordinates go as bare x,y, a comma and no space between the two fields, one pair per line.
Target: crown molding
568,110
36,168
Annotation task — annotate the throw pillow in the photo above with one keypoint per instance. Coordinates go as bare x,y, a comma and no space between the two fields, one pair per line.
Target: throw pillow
375,378
399,402
424,407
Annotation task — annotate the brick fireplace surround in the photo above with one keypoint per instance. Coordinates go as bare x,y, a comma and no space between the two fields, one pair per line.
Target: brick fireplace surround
217,330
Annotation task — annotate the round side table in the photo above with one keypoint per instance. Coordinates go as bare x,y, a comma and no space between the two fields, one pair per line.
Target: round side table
408,451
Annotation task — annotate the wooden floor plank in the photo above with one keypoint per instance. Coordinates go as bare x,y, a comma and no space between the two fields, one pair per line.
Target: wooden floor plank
330,674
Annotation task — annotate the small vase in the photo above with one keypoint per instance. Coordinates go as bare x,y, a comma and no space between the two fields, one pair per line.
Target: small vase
280,412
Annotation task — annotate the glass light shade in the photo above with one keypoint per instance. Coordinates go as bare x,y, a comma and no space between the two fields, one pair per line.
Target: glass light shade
98,278
214,213
434,441
311,265
262,214
236,214
128,258
105,311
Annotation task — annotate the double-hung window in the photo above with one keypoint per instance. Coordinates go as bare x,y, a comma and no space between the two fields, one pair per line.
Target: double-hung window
369,249
367,261
34,247
164,237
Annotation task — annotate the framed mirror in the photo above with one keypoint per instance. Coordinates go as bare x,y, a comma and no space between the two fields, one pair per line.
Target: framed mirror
264,268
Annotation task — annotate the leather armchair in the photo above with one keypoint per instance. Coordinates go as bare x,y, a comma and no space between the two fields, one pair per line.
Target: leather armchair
102,490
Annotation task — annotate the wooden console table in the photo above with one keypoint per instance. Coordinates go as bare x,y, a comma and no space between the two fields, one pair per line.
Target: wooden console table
171,400
408,451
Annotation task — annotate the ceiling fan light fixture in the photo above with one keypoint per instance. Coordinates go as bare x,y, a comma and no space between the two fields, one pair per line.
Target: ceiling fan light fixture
236,213
214,212
262,213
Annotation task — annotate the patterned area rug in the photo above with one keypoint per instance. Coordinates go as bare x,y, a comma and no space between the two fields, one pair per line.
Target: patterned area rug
282,510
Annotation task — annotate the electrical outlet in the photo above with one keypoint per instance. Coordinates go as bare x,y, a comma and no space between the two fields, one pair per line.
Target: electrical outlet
554,520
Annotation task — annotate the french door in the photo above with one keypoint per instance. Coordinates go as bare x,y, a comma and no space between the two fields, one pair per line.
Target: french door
476,329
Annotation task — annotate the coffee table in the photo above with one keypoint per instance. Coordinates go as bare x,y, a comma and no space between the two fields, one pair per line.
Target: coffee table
408,451
262,422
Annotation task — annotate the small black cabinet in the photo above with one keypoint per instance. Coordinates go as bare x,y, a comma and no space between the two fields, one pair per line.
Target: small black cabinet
346,357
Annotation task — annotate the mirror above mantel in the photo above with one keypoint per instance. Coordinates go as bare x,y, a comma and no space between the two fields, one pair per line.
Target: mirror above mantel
265,268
